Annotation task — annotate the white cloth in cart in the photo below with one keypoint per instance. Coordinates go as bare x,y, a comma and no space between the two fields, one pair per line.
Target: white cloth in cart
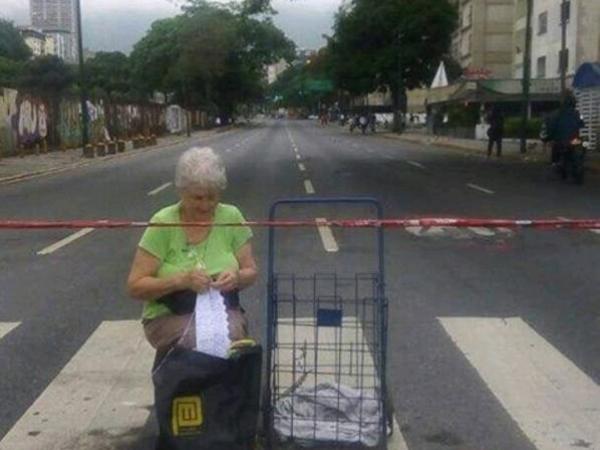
329,413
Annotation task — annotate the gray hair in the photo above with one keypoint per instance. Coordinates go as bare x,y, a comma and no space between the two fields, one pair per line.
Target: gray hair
200,167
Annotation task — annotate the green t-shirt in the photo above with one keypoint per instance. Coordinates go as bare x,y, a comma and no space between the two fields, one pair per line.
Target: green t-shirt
169,244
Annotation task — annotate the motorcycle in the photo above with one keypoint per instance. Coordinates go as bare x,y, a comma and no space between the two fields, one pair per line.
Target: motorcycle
572,160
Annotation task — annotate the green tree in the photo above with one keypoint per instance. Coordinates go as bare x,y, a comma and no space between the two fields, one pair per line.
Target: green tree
12,45
109,74
10,72
212,55
390,44
46,75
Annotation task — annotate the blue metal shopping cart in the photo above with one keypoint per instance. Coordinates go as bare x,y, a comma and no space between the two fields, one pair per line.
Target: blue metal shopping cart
326,350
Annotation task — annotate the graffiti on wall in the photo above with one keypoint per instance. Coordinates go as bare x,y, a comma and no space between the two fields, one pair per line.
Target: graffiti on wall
26,120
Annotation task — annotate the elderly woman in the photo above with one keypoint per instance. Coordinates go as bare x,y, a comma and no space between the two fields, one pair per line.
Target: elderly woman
172,261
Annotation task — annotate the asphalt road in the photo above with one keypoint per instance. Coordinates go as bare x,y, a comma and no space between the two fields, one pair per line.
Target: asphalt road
494,336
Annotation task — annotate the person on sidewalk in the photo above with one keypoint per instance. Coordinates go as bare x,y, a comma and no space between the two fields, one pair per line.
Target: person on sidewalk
496,131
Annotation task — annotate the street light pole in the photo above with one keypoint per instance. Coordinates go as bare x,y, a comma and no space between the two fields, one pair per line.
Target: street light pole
82,80
526,77
564,18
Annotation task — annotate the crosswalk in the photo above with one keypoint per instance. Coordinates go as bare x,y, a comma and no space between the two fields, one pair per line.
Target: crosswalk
104,393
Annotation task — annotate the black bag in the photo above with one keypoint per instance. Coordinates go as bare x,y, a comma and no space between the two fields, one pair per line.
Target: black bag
182,303
208,403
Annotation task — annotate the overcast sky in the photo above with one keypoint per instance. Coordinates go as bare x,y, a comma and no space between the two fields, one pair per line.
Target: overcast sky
118,24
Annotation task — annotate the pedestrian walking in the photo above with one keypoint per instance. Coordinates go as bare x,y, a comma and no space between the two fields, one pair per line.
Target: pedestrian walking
496,131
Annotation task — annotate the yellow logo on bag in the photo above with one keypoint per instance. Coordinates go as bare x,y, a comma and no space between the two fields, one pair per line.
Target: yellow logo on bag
186,415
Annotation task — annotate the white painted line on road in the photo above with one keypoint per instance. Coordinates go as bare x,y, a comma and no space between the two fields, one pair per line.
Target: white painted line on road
302,167
160,189
105,390
66,241
595,231
481,231
415,164
7,327
591,231
298,157
480,189
549,397
308,186
327,342
329,243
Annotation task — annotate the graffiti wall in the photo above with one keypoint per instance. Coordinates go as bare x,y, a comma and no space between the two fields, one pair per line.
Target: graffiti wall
27,120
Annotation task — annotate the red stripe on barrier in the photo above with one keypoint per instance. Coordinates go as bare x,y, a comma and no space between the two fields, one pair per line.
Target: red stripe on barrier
589,224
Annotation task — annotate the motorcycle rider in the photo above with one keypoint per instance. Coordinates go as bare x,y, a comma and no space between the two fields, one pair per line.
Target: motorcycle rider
564,127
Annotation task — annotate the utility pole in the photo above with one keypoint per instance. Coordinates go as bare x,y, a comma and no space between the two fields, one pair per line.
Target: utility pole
82,81
526,77
565,13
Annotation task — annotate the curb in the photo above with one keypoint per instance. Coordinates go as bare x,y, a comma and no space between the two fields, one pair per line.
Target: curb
12,179
594,166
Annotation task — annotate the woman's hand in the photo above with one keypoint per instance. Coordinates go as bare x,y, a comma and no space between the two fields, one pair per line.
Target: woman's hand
227,281
196,280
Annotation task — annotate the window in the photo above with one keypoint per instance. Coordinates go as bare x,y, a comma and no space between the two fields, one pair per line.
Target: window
543,23
541,67
563,60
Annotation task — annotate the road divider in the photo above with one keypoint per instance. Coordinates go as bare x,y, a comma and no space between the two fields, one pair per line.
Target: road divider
160,189
308,186
66,241
481,189
329,243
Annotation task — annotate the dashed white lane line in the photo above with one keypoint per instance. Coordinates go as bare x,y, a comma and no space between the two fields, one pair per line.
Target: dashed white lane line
591,231
302,167
66,241
298,157
480,189
415,164
7,327
329,243
547,395
160,189
308,186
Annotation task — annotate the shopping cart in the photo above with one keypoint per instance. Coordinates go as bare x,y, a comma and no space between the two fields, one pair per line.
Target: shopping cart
326,350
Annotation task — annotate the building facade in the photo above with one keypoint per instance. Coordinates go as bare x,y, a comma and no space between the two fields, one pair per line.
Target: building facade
483,41
583,36
35,40
57,17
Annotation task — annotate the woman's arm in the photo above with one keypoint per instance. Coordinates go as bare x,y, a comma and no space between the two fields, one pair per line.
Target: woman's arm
247,274
143,284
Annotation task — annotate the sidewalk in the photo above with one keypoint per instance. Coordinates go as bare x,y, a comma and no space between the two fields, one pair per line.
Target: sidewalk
15,168
510,149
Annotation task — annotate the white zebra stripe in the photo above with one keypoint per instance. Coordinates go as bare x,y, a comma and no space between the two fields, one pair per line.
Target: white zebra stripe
103,393
7,327
549,397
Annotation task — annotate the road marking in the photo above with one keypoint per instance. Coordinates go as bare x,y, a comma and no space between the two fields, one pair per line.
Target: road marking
415,164
7,327
426,231
590,230
549,397
308,186
298,157
160,188
329,243
344,348
480,189
302,167
481,231
66,241
104,392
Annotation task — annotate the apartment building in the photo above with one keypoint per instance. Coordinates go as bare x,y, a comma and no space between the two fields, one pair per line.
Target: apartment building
483,41
582,43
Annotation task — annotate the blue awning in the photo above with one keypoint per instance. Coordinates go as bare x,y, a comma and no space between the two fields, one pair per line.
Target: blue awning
587,76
